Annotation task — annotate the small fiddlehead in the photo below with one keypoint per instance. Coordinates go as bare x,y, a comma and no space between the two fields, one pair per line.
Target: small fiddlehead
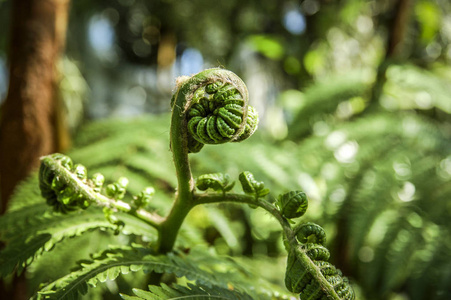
117,190
251,186
143,199
66,188
308,270
216,109
293,204
218,182
305,230
300,279
54,188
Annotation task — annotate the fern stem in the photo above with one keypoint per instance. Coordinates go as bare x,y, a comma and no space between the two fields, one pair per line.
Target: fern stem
151,219
206,198
169,228
181,104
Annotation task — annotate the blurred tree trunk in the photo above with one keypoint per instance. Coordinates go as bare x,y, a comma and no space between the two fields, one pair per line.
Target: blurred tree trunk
27,125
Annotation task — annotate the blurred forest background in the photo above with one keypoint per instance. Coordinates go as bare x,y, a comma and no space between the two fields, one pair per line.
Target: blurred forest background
354,99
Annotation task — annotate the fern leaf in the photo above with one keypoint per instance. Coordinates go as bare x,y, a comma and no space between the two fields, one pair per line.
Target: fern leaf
109,264
19,254
154,125
27,241
190,292
26,194
213,276
16,220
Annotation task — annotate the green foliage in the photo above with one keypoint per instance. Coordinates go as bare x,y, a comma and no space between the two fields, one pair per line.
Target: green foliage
189,292
378,175
429,17
377,179
410,87
371,202
267,45
323,99
43,229
198,266
136,149
366,172
109,264
69,190
370,177
390,183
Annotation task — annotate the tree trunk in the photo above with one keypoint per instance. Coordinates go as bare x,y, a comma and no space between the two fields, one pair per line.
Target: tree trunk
27,125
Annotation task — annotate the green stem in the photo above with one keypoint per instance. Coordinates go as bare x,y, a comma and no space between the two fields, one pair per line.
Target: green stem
153,220
179,145
206,198
169,228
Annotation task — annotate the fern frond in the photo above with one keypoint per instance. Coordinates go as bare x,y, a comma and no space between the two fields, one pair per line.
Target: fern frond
322,98
153,126
210,273
139,147
157,167
27,241
406,82
25,194
14,221
109,264
191,292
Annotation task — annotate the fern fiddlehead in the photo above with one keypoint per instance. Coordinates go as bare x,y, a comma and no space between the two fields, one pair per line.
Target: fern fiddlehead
217,182
216,109
58,194
251,186
66,188
293,204
299,279
308,247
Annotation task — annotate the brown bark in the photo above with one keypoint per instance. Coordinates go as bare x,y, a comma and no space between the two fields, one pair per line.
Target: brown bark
27,125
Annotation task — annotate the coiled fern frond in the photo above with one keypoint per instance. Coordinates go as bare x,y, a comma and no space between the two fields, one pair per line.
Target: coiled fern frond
300,279
215,105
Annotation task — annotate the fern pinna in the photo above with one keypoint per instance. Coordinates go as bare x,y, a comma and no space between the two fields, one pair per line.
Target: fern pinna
210,107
